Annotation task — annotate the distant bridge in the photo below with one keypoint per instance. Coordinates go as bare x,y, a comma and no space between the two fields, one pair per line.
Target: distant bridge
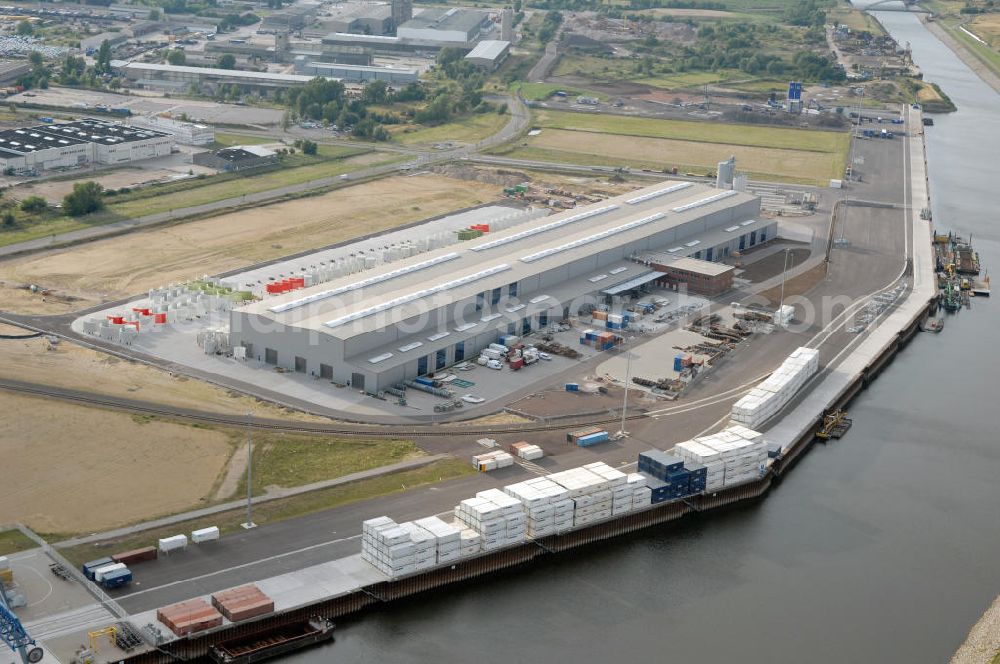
894,6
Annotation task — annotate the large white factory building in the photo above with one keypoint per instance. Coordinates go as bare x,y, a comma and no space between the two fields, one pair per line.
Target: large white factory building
421,314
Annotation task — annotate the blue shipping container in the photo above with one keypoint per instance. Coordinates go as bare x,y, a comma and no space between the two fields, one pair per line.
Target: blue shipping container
424,381
592,439
572,387
89,568
117,578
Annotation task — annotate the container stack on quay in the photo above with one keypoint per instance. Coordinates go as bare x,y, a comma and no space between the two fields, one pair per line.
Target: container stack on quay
546,504
497,517
732,456
242,603
188,617
600,340
670,477
765,400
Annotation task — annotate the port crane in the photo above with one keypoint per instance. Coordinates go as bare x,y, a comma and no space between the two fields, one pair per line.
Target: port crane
14,635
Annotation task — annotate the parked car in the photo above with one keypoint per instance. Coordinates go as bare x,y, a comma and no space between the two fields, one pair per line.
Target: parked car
471,398
544,356
494,364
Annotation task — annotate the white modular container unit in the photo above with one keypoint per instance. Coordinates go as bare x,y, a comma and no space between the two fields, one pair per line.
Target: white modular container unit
101,571
205,534
765,400
173,543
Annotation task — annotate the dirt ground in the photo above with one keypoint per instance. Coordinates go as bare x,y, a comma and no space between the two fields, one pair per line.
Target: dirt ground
790,163
70,366
72,469
127,265
54,190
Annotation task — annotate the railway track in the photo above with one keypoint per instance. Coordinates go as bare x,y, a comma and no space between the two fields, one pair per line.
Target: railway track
338,428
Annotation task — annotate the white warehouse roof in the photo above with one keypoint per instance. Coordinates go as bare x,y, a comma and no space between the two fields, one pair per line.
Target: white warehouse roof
262,76
346,307
489,49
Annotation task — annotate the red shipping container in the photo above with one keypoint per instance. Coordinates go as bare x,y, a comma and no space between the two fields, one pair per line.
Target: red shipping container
135,555
117,320
159,319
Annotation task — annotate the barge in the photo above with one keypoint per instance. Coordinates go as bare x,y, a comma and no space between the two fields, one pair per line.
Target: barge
273,643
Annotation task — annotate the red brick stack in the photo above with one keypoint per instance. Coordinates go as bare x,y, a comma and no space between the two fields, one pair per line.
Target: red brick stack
242,603
188,617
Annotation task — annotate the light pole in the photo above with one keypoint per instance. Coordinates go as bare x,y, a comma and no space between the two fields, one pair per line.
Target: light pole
249,522
622,433
784,271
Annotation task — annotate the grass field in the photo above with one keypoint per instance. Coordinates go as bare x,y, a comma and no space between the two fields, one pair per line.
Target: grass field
286,460
542,91
223,139
987,55
12,541
855,20
686,80
468,130
179,195
286,508
987,27
706,132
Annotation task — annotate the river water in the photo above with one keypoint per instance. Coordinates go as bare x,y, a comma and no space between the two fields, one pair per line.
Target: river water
882,547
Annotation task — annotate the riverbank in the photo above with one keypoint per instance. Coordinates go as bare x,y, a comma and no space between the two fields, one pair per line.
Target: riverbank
982,646
967,56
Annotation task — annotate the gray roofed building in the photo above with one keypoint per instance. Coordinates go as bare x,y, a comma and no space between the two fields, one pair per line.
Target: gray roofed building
489,53
394,322
452,25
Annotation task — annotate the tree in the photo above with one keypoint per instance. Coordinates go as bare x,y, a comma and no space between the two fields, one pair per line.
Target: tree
103,64
24,29
309,147
176,57
227,61
85,198
154,15
34,204
9,220
375,92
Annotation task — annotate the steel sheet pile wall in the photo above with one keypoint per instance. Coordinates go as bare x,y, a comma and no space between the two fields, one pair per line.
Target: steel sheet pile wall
732,456
765,400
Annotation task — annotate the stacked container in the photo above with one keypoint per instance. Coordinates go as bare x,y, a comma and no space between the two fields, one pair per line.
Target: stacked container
471,541
744,459
242,603
710,458
547,505
642,495
448,537
188,617
491,461
765,400
621,493
590,492
397,549
668,479
527,451
498,517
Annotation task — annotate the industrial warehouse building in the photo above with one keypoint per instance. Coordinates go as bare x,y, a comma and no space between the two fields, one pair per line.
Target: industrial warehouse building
188,133
392,75
489,54
70,144
395,322
178,78
460,26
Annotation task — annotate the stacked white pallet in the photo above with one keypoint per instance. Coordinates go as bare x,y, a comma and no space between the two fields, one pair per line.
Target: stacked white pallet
765,400
388,547
642,495
743,459
448,537
424,546
711,458
471,542
547,505
515,518
500,522
590,492
621,493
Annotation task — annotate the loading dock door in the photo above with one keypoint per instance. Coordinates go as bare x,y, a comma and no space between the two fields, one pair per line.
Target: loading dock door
270,356
358,381
300,364
326,371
